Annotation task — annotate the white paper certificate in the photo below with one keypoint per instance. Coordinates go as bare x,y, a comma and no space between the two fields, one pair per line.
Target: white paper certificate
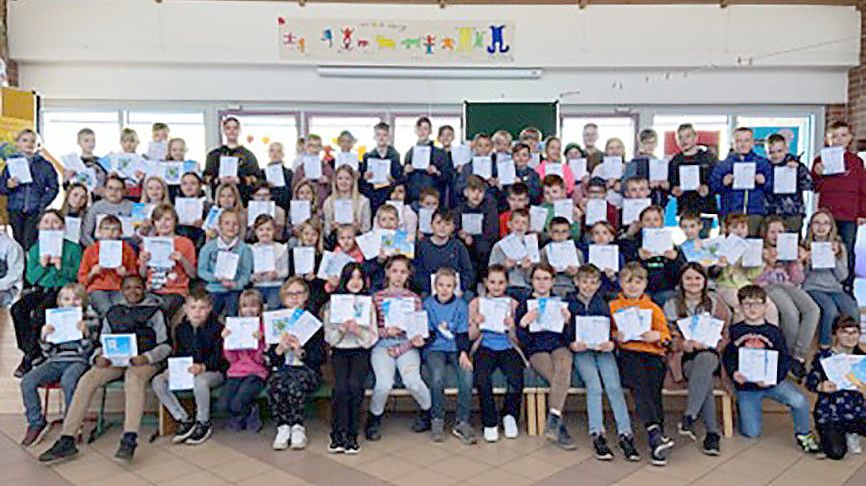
19,168
264,259
346,158
495,311
658,169
343,213
604,257
179,377
550,316
513,247
370,243
784,180
425,220
332,264
381,169
421,157
823,255
65,322
578,168
632,322
345,307
833,159
612,167
758,365
554,168
73,229
312,167
592,330
472,223
482,167
460,155
51,242
299,211
506,172
110,253
702,328
160,249
416,324
562,254
275,175
189,209
304,258
226,265
228,166
241,335
537,218
690,177
657,240
397,310
744,176
564,208
787,246
754,254
631,209
596,210
118,348
732,248
258,208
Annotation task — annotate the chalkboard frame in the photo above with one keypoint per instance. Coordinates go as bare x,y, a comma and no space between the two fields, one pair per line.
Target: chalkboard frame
470,130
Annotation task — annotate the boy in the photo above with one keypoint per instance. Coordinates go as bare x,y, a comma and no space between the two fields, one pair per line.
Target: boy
378,193
756,333
694,248
560,234
789,206
518,270
160,132
639,167
554,190
481,147
521,155
86,139
502,144
312,152
700,200
248,165
597,366
643,358
531,137
103,284
746,201
425,207
442,250
518,198
199,337
476,205
138,314
437,175
280,194
637,190
449,346
11,270
113,203
596,188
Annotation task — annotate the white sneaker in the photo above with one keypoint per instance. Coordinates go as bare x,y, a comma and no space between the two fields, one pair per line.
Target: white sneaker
510,426
491,434
281,441
853,441
299,437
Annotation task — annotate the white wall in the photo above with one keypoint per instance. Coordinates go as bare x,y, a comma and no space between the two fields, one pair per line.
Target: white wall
227,51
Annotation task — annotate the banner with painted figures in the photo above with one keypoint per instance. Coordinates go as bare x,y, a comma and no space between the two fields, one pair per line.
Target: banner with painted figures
396,42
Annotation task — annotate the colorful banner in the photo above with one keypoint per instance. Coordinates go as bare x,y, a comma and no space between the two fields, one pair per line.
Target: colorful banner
791,134
396,42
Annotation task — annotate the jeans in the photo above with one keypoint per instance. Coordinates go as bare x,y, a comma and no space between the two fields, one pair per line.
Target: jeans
555,368
596,368
271,297
848,233
102,300
437,361
832,435
202,385
832,304
644,374
351,367
511,364
700,371
225,303
384,366
24,228
798,317
238,394
66,372
751,409
661,296
28,316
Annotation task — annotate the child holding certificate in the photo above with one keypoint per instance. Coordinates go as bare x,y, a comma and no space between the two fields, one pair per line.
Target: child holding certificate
295,368
521,155
756,380
517,197
191,190
246,374
305,206
261,195
75,205
662,265
136,329
515,252
350,343
314,169
553,164
562,255
346,205
603,235
306,258
743,180
98,272
790,179
198,337
596,364
270,261
425,165
408,218
545,331
227,198
689,177
482,164
694,358
642,348
492,330
477,223
246,166
840,412
346,244
65,359
442,249
226,264
383,159
281,187
169,278
154,193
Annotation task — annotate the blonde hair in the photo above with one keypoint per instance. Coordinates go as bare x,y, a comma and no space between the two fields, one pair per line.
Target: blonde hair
613,140
633,271
284,289
299,229
129,134
251,296
501,135
165,197
172,142
238,205
831,237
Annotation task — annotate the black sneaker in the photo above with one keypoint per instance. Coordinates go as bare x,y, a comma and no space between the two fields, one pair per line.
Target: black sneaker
371,429
422,422
711,445
23,368
200,433
126,450
798,370
463,431
63,449
659,445
564,440
352,446
686,427
184,430
602,451
337,444
626,443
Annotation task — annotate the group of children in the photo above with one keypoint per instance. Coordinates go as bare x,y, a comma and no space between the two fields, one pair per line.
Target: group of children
444,267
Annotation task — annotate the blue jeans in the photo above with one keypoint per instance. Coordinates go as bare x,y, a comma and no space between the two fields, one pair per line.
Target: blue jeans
752,410
67,372
832,304
596,368
271,297
661,296
437,362
226,303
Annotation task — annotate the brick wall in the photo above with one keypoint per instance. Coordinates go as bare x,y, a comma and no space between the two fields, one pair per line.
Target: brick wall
855,110
11,67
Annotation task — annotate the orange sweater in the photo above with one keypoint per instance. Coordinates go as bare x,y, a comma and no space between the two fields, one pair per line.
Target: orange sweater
659,323
107,278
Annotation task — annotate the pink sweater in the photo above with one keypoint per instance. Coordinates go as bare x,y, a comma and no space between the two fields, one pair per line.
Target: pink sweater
246,362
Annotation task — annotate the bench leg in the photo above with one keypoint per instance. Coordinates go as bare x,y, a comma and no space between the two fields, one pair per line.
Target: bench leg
727,415
529,403
541,411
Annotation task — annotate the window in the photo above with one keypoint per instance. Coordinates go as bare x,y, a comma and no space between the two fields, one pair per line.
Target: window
404,130
713,133
259,131
608,127
188,126
329,128
60,130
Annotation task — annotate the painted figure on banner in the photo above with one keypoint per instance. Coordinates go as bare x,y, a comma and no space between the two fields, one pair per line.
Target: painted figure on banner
497,41
385,42
429,42
448,44
347,38
328,36
464,36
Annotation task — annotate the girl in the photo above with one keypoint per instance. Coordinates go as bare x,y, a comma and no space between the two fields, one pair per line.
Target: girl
322,185
177,153
697,362
75,205
228,198
395,349
346,243
662,269
548,350
295,372
408,219
553,164
262,192
602,233
310,236
350,346
305,191
798,313
613,148
268,283
172,284
155,192
345,188
824,285
226,289
128,145
492,350
191,187
246,374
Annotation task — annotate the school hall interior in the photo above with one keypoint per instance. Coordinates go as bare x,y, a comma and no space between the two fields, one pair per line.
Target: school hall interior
288,69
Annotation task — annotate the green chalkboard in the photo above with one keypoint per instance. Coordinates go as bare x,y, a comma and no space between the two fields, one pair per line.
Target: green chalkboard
490,116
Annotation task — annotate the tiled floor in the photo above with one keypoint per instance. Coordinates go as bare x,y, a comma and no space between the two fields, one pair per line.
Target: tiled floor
402,457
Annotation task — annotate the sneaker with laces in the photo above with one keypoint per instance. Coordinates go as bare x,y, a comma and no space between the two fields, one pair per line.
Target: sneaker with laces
491,434
352,446
626,443
808,443
602,451
686,427
437,429
422,422
200,433
337,444
853,442
184,429
126,450
62,450
34,434
659,445
510,426
798,370
463,430
711,446
281,441
299,437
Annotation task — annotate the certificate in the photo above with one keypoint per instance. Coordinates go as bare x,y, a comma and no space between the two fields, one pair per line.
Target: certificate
554,168
397,310
472,223
179,376
73,162
702,328
241,335
562,254
189,209
460,155
264,259
278,322
160,249
758,365
534,159
421,157
632,322
657,240
304,259
425,220
823,255
612,167
19,168
381,169
482,167
118,348
312,167
127,226
345,307
126,165
65,322
73,229
592,330
305,327
506,172
530,241
275,175
346,158
416,324
833,159
690,177
787,246
604,257
658,169
228,166
550,318
744,176
784,180
258,208
370,244
51,242
631,209
332,264
732,248
596,210
564,208
211,221
397,243
343,213
157,150
513,247
173,172
578,168
537,218
226,265
495,312
153,169
754,254
86,177
299,211
845,370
